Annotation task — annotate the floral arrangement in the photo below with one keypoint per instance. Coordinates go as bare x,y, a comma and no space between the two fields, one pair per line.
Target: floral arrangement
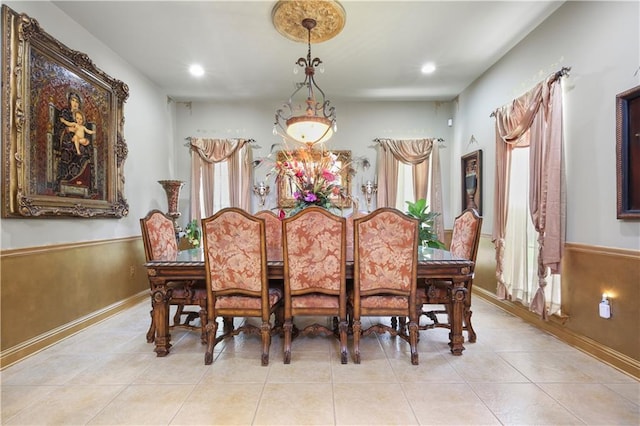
313,178
192,233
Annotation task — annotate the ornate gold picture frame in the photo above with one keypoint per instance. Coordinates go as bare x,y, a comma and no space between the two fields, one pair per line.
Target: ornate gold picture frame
343,164
63,149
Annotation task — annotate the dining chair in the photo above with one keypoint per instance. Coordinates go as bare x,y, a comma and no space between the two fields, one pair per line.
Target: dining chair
273,230
465,240
159,240
350,217
235,258
314,254
384,271
273,233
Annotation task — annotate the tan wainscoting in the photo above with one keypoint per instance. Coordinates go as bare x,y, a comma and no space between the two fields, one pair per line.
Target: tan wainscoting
49,293
588,271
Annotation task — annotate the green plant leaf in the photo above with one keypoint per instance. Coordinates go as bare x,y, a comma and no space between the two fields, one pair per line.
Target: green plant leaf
426,222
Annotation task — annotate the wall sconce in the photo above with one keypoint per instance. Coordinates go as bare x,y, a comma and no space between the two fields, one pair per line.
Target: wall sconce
261,190
368,189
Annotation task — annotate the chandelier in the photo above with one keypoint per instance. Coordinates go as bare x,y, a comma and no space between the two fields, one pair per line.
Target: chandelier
307,117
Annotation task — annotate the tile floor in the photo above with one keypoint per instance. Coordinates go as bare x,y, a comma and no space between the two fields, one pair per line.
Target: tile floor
513,375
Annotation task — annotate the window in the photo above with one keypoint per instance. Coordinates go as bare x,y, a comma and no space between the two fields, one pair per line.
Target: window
405,187
521,241
221,195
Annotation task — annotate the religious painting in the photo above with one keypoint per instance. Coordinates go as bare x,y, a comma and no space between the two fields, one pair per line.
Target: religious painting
471,170
628,153
311,162
63,148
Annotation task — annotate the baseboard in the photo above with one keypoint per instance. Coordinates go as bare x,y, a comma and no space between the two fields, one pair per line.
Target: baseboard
554,326
43,341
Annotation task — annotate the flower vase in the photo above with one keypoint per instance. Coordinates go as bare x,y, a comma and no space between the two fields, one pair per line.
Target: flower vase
172,188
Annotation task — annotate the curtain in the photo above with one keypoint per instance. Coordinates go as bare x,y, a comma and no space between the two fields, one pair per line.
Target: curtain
533,120
521,245
204,154
435,201
416,152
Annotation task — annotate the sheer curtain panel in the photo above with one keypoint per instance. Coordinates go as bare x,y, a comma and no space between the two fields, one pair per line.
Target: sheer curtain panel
533,120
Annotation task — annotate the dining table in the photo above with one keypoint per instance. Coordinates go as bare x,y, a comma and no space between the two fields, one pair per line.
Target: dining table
433,264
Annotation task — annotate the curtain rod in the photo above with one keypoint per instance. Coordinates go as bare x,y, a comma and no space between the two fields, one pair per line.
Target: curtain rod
188,138
558,74
378,140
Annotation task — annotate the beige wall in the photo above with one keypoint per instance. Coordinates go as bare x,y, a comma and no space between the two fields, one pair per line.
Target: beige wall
147,133
51,292
588,271
592,271
602,253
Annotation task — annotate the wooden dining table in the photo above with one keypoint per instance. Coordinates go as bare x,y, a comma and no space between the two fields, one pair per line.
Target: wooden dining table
433,264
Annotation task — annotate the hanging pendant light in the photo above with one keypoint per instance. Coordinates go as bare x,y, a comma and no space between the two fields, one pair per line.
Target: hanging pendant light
307,117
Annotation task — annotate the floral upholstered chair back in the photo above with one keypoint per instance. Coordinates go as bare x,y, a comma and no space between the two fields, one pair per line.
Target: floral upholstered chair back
350,218
236,265
273,230
314,242
466,234
386,251
158,236
385,274
235,251
314,251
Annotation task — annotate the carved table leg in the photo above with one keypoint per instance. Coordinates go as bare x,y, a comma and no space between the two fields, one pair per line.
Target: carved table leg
160,299
456,339
151,333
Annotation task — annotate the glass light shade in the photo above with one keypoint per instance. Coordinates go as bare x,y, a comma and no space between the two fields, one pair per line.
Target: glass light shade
309,129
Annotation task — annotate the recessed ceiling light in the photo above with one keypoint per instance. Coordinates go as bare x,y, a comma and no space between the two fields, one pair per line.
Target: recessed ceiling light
196,70
428,68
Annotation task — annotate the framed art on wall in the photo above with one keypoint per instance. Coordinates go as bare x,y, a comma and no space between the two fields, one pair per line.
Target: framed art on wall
63,149
471,178
628,153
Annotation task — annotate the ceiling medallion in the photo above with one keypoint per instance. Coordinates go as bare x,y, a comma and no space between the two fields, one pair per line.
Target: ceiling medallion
329,16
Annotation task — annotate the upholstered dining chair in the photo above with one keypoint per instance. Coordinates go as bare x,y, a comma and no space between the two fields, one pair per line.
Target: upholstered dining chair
273,233
465,240
273,229
350,217
235,257
314,254
159,239
384,275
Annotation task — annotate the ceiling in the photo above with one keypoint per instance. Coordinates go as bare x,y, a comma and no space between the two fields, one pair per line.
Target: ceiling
377,56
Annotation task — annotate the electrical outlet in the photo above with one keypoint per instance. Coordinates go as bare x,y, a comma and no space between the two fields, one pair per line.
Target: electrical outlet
132,271
605,309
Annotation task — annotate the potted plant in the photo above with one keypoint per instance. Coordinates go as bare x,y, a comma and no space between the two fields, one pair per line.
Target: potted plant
426,226
193,234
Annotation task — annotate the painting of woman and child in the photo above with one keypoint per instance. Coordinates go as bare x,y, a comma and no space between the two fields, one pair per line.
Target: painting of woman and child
73,153
68,157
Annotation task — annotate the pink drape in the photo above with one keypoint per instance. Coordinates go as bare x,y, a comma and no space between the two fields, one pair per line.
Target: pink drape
206,152
534,120
417,153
